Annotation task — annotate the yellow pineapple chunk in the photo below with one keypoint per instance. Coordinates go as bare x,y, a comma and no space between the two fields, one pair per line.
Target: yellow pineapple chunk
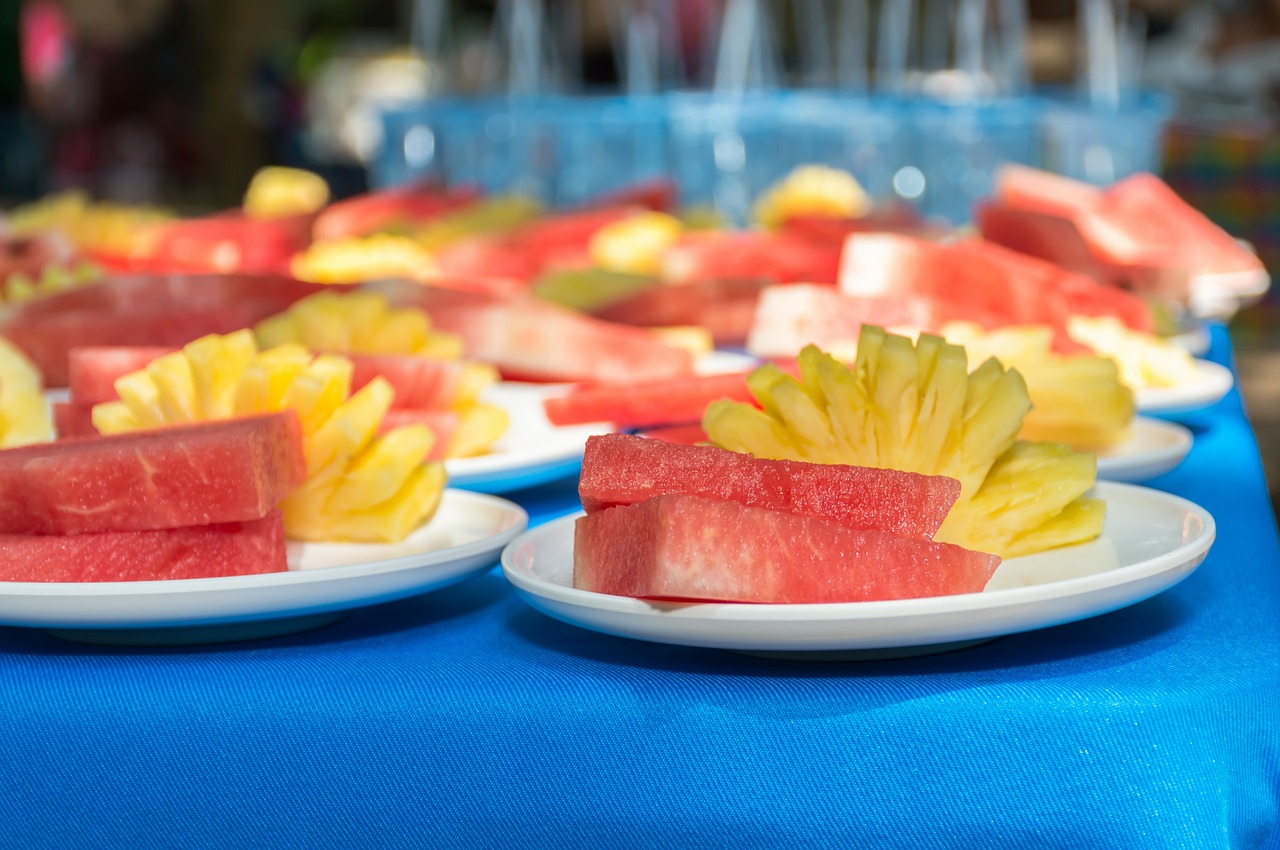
916,407
635,244
55,278
359,486
25,416
479,427
356,259
812,190
692,338
278,192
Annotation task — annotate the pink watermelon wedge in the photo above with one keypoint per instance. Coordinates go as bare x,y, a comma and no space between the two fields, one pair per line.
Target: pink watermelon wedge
689,548
724,307
646,403
532,340
620,469
226,549
92,372
211,472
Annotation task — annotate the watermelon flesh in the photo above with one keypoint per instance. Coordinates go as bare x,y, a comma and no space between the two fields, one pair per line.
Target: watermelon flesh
790,317
92,372
646,403
621,469
388,209
725,307
530,340
71,420
443,424
211,472
224,549
689,548
770,257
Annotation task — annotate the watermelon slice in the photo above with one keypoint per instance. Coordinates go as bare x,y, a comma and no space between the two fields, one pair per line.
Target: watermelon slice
211,472
684,547
1138,229
228,243
751,255
620,469
71,420
534,341
646,403
790,317
226,549
680,435
29,256
92,372
658,195
388,209
724,307
1058,240
420,383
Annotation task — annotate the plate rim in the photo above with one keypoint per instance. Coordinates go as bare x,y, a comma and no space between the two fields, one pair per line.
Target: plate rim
1191,552
1167,399
1165,460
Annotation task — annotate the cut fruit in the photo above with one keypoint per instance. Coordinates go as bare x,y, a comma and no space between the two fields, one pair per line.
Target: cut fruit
209,551
226,376
635,245
645,404
916,408
812,190
279,192
355,259
357,323
194,475
689,548
620,469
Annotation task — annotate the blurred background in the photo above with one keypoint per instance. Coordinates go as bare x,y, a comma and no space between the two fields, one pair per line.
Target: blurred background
178,102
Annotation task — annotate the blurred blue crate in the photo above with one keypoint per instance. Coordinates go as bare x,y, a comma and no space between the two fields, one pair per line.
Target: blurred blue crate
724,151
605,144
956,149
1100,145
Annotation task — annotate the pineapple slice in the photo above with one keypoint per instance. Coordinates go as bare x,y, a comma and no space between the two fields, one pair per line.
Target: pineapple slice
357,259
694,339
635,244
365,323
100,227
25,416
278,192
357,323
1145,361
917,408
1079,400
812,190
360,487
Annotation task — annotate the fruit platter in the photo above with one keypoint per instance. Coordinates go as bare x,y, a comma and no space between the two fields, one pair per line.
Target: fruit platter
269,407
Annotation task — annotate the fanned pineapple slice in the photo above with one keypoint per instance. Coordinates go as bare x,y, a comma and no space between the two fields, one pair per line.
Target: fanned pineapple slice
916,407
25,416
366,323
357,323
359,486
356,259
812,190
1079,400
635,244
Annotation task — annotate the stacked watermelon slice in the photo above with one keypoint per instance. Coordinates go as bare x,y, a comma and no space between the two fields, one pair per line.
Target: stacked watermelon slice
185,502
701,524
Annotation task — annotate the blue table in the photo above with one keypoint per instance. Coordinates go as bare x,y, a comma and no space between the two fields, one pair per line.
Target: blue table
465,718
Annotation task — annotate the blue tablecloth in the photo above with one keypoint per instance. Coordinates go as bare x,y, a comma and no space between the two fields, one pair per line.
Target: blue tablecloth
465,718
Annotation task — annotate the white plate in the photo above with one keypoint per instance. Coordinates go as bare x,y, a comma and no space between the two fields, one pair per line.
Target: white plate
464,537
1152,448
532,452
1195,340
1211,382
1151,541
